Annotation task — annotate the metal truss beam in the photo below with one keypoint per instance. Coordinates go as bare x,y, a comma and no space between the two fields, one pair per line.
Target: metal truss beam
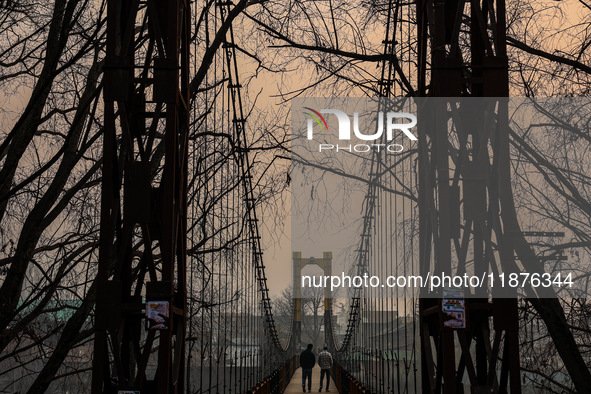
462,53
142,257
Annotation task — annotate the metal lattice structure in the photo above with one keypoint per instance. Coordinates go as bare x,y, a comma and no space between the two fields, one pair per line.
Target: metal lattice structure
143,205
146,266
462,53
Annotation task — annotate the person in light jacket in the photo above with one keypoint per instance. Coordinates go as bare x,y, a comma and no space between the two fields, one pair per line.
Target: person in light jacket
325,364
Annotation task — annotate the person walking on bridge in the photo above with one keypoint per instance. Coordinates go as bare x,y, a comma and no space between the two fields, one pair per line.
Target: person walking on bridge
325,364
307,362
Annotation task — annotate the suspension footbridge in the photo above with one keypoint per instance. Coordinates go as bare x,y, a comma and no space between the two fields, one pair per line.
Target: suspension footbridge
183,302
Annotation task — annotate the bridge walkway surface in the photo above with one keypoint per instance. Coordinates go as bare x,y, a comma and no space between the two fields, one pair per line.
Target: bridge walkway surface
295,385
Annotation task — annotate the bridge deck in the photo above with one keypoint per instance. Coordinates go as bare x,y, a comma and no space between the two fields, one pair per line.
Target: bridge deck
295,385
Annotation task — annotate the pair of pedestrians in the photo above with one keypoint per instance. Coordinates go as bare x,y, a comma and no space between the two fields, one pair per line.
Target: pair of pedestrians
307,362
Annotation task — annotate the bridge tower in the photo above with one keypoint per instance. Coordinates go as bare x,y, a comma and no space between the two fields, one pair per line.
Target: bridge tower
139,343
325,263
459,207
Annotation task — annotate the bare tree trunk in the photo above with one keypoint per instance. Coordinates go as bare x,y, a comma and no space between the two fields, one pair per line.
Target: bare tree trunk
45,211
549,309
70,336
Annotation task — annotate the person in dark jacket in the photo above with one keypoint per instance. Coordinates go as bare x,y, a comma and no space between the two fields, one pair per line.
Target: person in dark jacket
307,362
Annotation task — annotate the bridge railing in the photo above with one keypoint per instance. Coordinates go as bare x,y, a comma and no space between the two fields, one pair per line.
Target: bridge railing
345,382
278,380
